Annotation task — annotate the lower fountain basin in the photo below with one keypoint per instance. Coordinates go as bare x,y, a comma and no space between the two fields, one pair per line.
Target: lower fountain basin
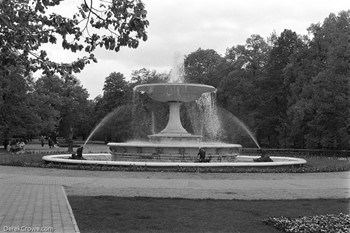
107,159
172,151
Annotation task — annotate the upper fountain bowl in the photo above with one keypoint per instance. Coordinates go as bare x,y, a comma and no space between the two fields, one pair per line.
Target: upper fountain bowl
174,92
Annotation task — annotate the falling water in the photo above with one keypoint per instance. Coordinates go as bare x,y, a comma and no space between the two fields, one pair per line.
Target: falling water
99,125
248,131
241,124
211,121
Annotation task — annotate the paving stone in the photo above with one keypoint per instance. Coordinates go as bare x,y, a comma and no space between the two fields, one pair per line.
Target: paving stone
33,205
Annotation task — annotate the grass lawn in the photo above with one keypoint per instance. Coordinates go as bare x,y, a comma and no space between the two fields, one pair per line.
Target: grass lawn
127,214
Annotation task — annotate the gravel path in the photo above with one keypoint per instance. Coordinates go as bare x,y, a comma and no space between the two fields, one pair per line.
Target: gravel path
251,186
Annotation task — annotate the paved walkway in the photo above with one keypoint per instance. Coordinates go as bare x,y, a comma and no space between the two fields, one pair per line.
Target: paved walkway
36,197
35,208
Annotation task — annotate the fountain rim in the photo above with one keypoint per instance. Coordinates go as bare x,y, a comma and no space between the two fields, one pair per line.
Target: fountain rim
64,158
174,84
173,144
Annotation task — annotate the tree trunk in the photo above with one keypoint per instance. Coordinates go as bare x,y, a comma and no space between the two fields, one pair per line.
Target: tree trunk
70,140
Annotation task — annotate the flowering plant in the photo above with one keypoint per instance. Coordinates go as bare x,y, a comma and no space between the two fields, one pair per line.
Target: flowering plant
330,223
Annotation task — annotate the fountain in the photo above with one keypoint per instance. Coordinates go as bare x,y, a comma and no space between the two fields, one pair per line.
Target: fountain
174,146
174,143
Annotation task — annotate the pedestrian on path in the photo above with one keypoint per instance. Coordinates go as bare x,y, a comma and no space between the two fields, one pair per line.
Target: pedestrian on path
42,140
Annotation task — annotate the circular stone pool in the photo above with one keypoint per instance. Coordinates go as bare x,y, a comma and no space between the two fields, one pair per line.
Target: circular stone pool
108,159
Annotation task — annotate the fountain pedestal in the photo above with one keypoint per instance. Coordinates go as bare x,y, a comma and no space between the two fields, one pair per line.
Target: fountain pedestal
174,94
174,131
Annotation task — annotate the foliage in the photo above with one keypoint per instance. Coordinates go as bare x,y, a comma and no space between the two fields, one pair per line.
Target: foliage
57,103
144,76
27,26
319,104
115,126
17,117
240,91
116,91
293,92
274,90
252,56
63,104
204,66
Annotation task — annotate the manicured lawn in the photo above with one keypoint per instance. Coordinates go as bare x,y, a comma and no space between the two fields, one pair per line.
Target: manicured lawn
126,214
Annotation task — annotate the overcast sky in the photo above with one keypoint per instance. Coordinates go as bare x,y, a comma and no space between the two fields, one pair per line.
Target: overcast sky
183,26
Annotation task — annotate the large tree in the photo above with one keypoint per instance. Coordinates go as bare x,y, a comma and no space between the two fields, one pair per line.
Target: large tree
63,105
273,90
17,117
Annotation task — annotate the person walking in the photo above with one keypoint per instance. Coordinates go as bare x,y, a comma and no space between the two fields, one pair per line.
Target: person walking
42,140
50,142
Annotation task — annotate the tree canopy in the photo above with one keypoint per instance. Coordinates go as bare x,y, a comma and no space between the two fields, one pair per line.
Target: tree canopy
27,25
31,108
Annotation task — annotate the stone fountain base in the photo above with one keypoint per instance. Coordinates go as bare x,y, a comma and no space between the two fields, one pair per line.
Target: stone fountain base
172,151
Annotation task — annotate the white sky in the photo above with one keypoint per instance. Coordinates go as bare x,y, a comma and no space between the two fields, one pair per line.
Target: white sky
183,26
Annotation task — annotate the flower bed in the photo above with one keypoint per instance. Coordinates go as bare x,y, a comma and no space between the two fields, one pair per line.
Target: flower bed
330,223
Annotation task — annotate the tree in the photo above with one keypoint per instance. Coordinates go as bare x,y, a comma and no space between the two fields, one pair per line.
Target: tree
74,99
114,109
25,26
274,89
320,76
66,96
116,91
43,105
205,66
16,115
143,76
238,91
252,56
